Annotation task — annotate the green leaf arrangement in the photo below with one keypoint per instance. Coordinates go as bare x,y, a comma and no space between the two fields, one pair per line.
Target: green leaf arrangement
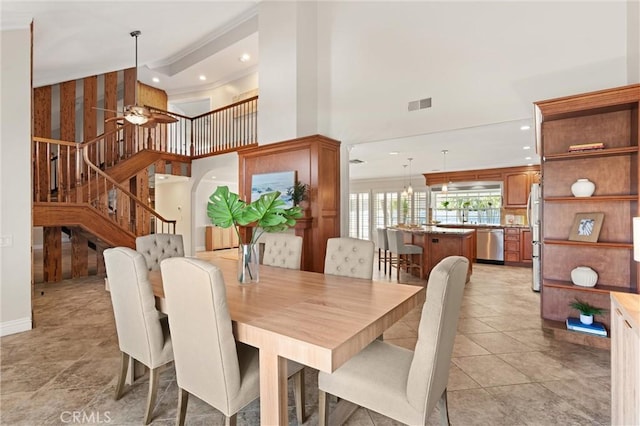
269,213
585,308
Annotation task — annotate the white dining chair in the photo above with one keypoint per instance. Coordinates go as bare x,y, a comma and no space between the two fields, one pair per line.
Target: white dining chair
349,257
401,254
157,247
209,363
282,250
383,248
143,333
399,383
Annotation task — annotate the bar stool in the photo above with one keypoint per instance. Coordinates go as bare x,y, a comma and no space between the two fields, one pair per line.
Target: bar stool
403,253
383,249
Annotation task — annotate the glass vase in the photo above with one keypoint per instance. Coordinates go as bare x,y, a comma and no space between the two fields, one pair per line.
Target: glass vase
248,265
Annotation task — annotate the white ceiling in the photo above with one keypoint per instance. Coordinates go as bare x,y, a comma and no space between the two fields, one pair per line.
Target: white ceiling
483,63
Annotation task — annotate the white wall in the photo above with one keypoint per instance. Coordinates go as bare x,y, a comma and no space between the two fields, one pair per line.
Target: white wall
225,168
15,181
221,95
173,201
633,41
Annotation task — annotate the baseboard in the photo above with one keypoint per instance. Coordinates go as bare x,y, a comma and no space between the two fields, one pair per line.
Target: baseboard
15,326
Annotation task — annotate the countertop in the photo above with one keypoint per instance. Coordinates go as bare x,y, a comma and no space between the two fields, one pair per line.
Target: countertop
437,230
483,225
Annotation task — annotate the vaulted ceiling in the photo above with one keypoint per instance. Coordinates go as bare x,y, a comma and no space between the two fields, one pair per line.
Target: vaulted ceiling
482,63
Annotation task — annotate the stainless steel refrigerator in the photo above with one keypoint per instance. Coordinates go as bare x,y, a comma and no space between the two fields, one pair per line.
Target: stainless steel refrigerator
534,207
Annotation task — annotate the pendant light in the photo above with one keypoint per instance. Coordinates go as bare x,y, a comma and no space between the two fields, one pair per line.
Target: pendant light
404,181
410,188
445,188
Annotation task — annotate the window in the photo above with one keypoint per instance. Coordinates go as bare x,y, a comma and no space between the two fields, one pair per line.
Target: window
359,215
472,206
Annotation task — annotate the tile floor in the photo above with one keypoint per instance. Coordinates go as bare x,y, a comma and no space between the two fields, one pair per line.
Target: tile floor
504,370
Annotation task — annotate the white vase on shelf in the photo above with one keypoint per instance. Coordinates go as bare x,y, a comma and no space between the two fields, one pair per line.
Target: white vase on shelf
584,276
583,188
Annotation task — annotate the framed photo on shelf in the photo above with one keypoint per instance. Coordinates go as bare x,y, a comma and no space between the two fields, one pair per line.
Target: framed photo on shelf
586,227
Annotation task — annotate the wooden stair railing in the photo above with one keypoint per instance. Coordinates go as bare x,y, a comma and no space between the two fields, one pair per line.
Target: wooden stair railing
83,183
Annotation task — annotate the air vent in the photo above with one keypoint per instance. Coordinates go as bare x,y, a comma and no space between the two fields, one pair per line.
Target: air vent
356,161
420,104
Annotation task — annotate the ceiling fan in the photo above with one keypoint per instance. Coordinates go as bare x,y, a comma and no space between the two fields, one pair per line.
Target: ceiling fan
138,114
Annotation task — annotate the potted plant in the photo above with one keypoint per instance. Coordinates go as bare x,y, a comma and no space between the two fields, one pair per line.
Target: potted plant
268,213
299,193
445,204
586,310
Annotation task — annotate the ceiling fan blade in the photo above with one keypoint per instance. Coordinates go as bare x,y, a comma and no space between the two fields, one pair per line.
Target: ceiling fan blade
150,124
108,110
107,120
163,118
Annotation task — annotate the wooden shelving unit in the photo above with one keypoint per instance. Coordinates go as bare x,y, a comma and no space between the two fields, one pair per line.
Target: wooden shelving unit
611,117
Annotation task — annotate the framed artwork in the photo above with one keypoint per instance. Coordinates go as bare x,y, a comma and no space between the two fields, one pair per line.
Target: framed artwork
270,182
586,227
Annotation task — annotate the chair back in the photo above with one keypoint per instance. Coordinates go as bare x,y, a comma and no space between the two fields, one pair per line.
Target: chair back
204,348
395,239
138,325
157,247
282,250
383,239
429,371
349,257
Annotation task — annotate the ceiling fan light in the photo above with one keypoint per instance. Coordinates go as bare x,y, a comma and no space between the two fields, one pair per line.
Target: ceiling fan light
136,119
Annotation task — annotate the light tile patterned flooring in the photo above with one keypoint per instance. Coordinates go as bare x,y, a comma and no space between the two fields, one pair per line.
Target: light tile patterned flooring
504,370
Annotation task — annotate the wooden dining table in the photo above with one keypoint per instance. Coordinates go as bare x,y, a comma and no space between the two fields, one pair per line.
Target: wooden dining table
315,319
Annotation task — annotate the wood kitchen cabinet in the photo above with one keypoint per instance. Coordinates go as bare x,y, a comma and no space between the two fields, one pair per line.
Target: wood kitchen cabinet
217,238
517,186
625,353
518,250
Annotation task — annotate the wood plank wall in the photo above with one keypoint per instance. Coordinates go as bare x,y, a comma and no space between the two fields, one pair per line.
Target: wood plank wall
43,99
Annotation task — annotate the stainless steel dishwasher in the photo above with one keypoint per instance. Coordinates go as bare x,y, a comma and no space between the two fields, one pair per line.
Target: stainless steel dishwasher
490,245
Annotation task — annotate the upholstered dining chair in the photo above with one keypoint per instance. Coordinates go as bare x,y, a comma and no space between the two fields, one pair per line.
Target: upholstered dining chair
209,363
349,257
399,383
383,248
282,250
403,253
143,333
157,247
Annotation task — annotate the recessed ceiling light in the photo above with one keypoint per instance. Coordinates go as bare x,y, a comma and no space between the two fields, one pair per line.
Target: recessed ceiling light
161,177
394,153
525,127
212,177
527,158
203,78
245,57
526,147
156,80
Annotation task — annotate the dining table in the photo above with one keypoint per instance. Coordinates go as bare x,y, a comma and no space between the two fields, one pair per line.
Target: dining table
316,319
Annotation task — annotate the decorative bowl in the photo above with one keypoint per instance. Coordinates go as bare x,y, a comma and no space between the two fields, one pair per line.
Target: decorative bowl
583,188
584,276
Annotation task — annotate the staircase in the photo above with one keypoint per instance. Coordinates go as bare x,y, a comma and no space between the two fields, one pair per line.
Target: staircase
99,189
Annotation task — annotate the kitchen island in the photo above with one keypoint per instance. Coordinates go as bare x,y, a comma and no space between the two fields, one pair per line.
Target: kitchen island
438,243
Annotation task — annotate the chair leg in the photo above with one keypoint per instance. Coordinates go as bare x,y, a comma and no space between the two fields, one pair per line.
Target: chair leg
183,400
154,374
444,409
379,258
231,420
298,391
385,263
323,408
124,366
